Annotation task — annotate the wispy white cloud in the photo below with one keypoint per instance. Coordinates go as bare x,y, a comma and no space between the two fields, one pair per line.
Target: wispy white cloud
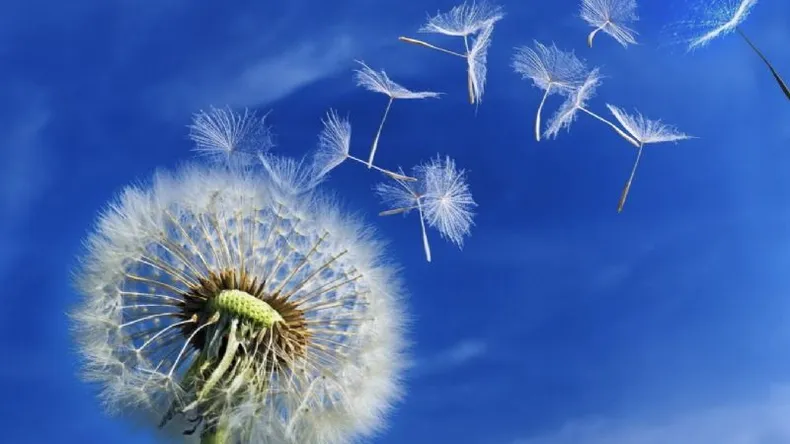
763,421
457,355
257,80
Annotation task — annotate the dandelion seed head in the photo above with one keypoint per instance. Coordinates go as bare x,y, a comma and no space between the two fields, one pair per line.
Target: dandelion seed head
566,114
614,17
231,138
549,67
645,130
713,19
447,202
378,81
334,143
215,294
464,20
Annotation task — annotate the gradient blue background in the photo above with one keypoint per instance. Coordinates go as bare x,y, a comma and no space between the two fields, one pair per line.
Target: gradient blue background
561,322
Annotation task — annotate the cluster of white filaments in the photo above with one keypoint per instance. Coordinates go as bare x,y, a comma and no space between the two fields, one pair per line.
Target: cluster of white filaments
218,302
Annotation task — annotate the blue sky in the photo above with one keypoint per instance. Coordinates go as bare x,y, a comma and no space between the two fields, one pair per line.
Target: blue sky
560,322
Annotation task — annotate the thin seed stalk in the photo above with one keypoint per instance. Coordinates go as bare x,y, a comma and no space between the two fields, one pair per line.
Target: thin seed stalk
540,110
469,82
378,133
622,133
592,34
627,187
778,79
428,45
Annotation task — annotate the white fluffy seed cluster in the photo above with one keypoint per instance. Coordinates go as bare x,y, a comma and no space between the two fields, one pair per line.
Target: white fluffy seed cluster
155,243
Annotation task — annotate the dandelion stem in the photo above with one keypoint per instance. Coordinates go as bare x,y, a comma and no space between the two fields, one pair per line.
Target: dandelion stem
397,211
540,110
595,31
627,187
424,233
428,45
378,133
392,174
778,79
615,127
217,434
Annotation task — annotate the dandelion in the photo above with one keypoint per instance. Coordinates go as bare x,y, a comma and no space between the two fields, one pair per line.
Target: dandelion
477,63
612,17
220,300
577,101
228,137
550,69
334,144
724,17
441,197
644,131
379,82
464,21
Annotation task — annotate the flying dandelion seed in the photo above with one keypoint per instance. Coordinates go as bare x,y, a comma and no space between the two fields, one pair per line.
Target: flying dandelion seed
465,20
379,82
577,101
644,131
256,312
441,197
723,17
476,63
550,69
334,144
614,17
227,137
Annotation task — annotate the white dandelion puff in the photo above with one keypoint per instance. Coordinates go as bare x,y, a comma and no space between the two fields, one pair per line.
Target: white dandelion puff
465,20
441,197
719,19
613,17
379,82
259,314
724,17
550,69
225,136
447,202
334,145
644,131
577,101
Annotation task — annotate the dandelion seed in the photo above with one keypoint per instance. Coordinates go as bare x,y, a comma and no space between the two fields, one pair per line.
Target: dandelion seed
577,101
464,21
724,17
644,131
720,18
441,197
379,82
230,138
550,69
612,17
255,312
476,64
447,200
334,144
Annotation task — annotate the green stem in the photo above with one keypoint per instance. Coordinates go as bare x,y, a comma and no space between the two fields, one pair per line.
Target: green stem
218,434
